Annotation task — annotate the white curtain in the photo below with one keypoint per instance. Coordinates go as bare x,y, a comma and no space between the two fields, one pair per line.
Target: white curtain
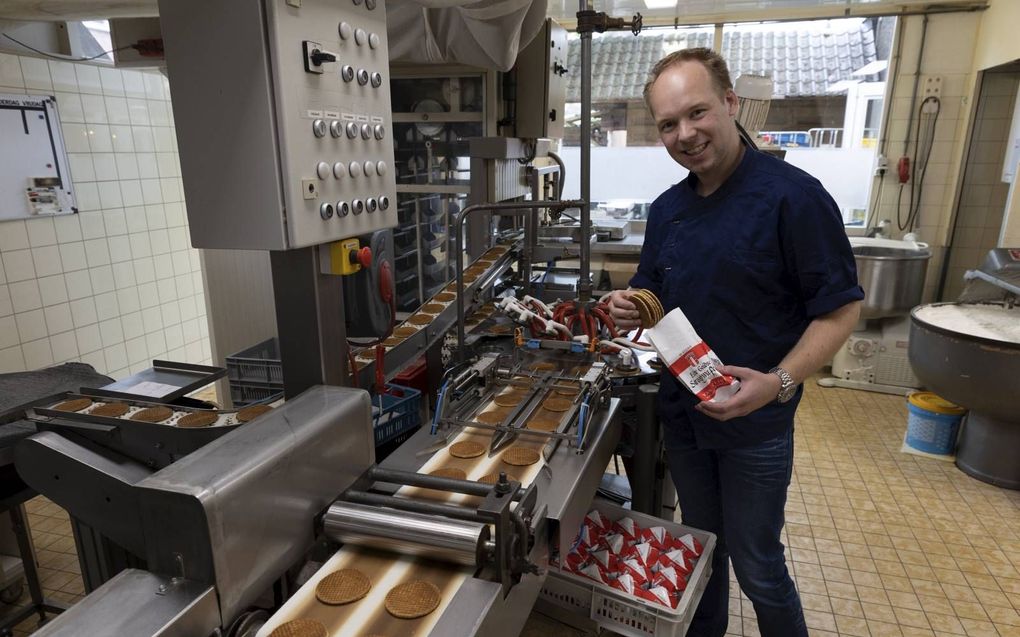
483,33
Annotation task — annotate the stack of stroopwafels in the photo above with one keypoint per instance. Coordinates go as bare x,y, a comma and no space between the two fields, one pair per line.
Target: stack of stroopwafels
648,306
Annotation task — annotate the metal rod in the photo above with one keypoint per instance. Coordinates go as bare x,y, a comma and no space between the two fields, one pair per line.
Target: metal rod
415,506
642,482
511,208
428,482
584,282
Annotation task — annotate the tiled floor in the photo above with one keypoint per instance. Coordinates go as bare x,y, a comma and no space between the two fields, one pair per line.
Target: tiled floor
880,542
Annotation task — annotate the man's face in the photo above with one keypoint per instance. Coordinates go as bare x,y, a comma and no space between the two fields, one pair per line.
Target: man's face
694,121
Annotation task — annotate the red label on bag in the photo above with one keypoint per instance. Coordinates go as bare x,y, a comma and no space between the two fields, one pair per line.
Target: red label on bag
697,369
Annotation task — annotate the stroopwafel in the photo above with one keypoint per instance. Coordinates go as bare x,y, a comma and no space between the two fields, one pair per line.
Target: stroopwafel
342,587
493,478
444,297
467,449
251,413
564,389
197,419
520,456
110,410
411,600
433,308
153,414
491,417
420,319
300,628
543,423
557,404
404,331
392,341
76,404
648,306
449,472
509,399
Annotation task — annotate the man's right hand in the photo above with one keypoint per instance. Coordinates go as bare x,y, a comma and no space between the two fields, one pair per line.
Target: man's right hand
623,312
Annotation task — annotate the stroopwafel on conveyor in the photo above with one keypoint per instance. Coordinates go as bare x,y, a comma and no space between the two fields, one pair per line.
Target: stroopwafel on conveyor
564,389
404,331
248,414
648,306
557,404
493,478
467,449
392,341
509,399
153,414
342,587
520,456
543,423
197,419
449,472
110,410
411,600
420,319
444,297
76,404
300,628
543,366
492,417
433,308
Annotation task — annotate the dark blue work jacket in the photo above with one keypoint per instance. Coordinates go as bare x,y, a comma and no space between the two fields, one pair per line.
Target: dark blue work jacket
750,265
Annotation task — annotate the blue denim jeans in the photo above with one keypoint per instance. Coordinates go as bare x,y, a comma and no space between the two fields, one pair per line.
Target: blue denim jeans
740,495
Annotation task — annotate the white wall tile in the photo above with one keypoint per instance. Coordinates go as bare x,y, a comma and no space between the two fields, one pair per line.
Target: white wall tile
193,351
117,111
120,248
3,274
127,167
69,107
99,138
97,252
102,279
18,265
8,332
31,325
12,360
95,359
154,86
167,165
175,215
37,354
166,288
10,71
41,232
170,189
164,266
151,192
174,337
148,168
111,332
163,139
138,112
123,274
25,295
182,262
79,284
58,318
83,312
6,307
136,350
52,290
81,167
159,113
141,245
62,74
136,219
145,271
144,142
152,319
93,224
122,139
87,197
94,109
106,306
171,313
14,236
76,137
64,346
127,299
132,325
88,79
72,256
116,358
134,83
160,240
109,194
180,240
105,165
115,222
155,217
147,295
113,83
47,261
36,73
132,193
191,330
88,339
156,344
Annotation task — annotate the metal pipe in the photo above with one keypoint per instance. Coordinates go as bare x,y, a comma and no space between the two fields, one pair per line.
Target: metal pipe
428,482
416,506
512,208
584,282
642,479
407,533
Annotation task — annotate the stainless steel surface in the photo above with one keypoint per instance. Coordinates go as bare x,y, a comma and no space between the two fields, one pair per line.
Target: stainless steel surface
435,537
892,278
136,603
997,279
584,281
980,375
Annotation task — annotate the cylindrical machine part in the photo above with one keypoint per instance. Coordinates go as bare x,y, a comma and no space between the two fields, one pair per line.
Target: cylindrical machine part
408,533
642,482
584,283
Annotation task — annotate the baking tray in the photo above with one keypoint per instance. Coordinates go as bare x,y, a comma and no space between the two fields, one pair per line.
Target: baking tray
164,382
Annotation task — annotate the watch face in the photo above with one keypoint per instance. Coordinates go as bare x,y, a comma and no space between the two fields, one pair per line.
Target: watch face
786,393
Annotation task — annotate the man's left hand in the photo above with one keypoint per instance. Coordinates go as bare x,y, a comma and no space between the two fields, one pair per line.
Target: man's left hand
756,391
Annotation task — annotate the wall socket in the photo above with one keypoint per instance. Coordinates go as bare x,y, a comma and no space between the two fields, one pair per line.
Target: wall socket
931,86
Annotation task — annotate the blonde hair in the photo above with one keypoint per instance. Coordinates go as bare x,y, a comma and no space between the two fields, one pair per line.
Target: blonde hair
712,61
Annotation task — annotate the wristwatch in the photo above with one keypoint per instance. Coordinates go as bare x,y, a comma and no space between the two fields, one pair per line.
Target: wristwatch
787,387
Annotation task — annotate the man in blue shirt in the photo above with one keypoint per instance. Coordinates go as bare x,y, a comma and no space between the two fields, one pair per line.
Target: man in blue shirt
753,251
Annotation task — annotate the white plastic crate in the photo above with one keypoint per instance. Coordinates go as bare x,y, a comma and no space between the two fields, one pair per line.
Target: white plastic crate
615,610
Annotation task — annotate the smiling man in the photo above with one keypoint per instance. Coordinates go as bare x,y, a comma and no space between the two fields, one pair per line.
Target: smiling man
754,252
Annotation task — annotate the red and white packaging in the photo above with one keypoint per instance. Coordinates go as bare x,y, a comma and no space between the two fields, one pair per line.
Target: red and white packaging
574,562
679,559
593,570
589,535
628,528
668,578
614,543
691,360
691,543
635,569
657,594
644,553
600,521
658,537
625,583
607,560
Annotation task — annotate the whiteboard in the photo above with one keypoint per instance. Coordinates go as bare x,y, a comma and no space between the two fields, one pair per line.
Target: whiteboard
34,177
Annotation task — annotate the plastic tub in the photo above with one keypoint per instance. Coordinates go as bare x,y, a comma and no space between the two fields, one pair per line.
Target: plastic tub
932,423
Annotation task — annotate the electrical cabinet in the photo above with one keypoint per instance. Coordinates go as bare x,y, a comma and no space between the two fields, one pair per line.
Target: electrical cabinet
542,84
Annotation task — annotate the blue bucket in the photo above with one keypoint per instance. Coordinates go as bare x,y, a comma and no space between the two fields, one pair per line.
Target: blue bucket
932,423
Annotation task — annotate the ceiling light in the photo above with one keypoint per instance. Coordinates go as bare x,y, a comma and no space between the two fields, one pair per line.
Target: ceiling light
660,4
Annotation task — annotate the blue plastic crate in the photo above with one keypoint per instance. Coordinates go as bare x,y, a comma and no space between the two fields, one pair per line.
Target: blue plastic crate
395,413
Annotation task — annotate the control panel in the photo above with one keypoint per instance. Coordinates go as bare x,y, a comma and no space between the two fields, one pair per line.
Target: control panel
302,151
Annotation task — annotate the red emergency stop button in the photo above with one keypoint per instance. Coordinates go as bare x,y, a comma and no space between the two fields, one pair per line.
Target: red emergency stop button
362,257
